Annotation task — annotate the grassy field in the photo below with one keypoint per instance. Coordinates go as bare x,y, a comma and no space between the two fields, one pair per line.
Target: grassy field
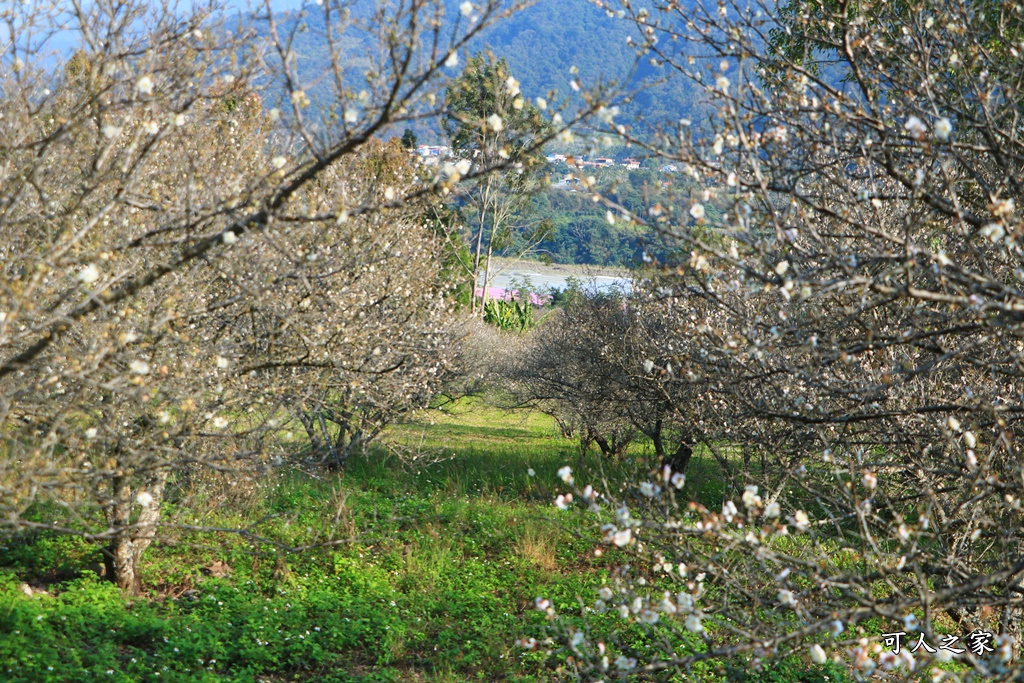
435,562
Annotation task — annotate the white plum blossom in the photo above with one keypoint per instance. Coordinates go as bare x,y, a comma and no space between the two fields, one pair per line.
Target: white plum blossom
625,663
623,537
818,655
89,274
870,481
351,115
530,472
139,367
91,433
565,474
678,480
541,604
229,237
563,501
145,499
943,129
649,617
729,511
144,85
697,211
862,660
466,8
993,231
650,490
750,498
801,521
693,624
495,123
151,127
773,510
541,103
606,593
787,598
915,127
452,61
110,131
969,439
512,86
279,162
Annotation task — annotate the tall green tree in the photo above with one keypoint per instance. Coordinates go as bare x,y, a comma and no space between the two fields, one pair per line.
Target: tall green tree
409,139
491,126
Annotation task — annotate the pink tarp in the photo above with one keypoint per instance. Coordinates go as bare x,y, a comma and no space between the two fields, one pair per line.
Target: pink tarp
500,293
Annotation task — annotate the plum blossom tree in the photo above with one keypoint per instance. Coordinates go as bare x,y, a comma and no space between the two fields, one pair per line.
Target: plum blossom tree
190,263
860,323
607,368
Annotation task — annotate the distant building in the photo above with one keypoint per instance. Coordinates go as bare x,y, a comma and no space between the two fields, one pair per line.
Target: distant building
431,155
669,168
631,164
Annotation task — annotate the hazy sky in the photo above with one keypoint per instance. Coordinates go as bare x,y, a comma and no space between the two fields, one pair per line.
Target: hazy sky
62,43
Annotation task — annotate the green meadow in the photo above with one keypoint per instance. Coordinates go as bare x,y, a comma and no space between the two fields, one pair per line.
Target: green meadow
426,556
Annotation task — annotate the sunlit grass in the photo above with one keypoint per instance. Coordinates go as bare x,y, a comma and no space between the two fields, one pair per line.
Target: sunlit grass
431,570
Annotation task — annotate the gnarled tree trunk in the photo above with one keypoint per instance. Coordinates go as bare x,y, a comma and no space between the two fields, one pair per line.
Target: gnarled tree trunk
123,556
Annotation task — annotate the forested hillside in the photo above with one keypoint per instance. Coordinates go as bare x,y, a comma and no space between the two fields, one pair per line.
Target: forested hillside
541,44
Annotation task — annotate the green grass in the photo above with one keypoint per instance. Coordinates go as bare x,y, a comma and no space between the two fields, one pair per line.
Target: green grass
430,553
449,552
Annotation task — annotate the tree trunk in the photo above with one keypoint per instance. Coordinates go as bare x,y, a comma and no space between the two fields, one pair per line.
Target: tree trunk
331,456
476,254
679,461
119,560
122,557
314,438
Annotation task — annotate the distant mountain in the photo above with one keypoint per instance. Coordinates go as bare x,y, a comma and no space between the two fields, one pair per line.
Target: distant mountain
541,45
